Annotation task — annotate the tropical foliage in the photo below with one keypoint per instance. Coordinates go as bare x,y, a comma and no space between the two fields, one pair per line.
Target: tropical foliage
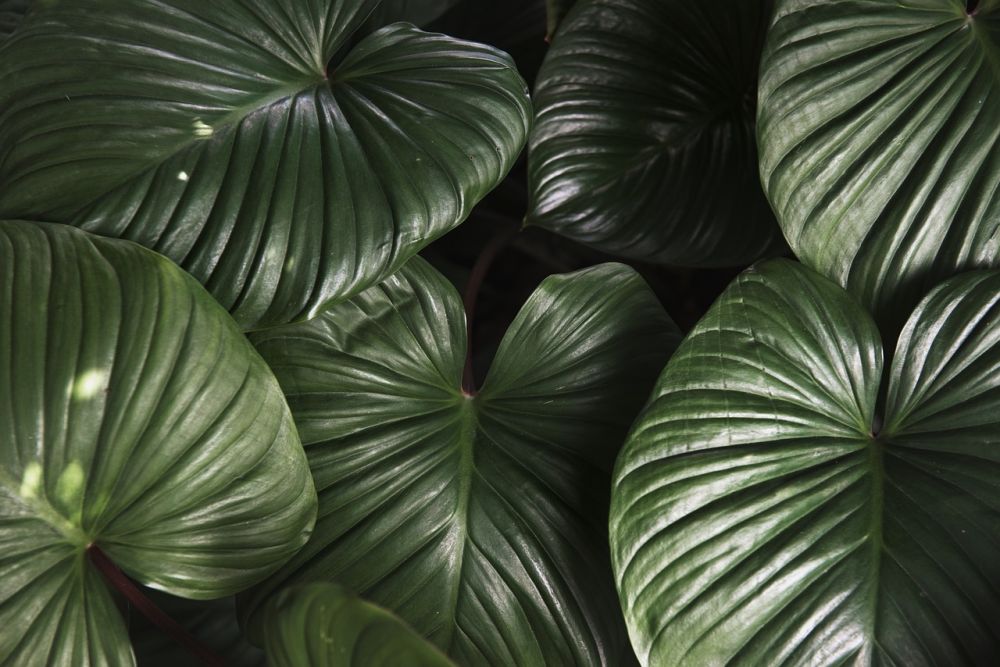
699,362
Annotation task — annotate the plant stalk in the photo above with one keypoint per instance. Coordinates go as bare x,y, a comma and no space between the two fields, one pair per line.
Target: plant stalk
121,583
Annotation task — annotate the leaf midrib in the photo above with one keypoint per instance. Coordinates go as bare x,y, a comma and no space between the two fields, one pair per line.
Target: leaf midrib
465,444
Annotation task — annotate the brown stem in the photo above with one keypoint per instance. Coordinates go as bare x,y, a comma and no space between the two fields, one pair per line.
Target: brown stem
121,583
472,288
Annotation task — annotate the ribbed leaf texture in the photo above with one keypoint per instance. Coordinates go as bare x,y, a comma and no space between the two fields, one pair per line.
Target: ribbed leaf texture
236,138
761,516
643,143
480,520
134,417
879,133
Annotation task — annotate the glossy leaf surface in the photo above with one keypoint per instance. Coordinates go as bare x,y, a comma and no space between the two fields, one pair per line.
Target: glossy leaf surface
222,135
762,516
323,625
477,519
643,142
879,131
134,416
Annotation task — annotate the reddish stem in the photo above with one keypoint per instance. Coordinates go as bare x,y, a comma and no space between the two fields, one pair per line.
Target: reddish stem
121,583
472,288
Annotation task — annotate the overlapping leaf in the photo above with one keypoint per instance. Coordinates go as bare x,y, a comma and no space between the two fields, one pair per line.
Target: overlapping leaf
761,516
879,133
477,519
322,625
643,143
418,12
222,135
136,418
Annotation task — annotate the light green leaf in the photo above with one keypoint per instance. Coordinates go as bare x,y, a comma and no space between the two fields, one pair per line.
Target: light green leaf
643,143
222,135
879,131
478,519
323,625
760,515
136,418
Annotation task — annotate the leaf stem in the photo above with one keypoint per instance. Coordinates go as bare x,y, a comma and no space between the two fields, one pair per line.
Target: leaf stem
472,289
121,583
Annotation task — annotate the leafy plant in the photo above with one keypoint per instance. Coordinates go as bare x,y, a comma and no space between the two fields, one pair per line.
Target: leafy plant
242,423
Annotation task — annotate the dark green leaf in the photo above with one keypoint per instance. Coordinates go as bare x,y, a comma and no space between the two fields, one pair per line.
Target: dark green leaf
323,625
135,417
643,144
555,11
222,135
760,516
880,142
11,13
479,520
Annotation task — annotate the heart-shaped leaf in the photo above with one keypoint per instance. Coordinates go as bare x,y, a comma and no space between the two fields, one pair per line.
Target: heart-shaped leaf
879,131
476,518
136,418
761,516
643,143
11,14
222,135
323,625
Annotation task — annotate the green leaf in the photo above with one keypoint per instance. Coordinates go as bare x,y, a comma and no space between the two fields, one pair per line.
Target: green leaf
11,14
213,623
479,520
879,131
555,12
323,625
222,135
643,143
134,417
761,516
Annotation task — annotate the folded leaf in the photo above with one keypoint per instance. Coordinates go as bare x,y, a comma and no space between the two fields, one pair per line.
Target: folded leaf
879,132
322,625
236,138
761,515
136,418
478,519
643,143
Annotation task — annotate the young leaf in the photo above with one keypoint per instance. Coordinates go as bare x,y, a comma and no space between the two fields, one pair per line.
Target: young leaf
760,515
227,136
879,131
323,625
480,520
643,143
135,418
